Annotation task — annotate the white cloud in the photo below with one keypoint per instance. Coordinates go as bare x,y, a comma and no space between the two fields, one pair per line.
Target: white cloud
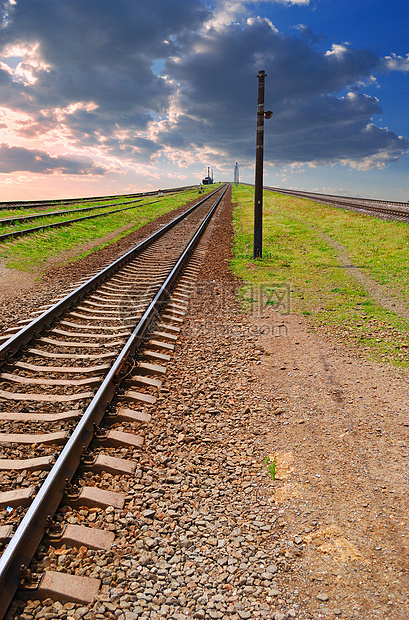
336,50
299,2
91,79
23,62
254,20
227,12
396,63
20,159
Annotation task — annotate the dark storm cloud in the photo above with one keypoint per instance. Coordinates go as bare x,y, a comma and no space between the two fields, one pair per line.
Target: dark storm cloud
20,159
91,77
96,51
310,124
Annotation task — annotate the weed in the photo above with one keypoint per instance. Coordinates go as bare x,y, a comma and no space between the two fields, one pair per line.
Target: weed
271,467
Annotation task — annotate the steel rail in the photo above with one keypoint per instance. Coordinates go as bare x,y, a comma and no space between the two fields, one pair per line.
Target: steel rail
15,342
28,535
370,204
24,204
367,207
29,231
36,216
335,196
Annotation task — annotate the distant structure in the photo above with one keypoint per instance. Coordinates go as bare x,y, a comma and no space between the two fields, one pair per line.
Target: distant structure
209,179
236,173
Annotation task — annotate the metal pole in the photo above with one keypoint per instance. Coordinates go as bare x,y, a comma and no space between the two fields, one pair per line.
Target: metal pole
258,186
236,174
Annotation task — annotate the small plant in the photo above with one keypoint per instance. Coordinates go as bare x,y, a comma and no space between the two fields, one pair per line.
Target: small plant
271,467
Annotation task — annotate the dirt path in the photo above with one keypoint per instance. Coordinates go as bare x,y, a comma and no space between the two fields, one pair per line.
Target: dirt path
340,440
337,429
14,282
383,295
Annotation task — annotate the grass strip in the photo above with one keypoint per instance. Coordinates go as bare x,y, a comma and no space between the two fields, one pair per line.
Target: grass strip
299,253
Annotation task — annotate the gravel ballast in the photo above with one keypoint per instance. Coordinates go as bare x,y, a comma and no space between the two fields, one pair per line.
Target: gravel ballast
208,530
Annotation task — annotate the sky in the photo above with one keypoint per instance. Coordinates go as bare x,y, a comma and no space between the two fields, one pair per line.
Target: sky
117,96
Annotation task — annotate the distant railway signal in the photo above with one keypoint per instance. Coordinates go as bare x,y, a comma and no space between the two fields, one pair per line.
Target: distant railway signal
236,174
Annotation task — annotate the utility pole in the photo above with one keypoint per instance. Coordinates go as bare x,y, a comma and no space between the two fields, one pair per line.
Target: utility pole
258,185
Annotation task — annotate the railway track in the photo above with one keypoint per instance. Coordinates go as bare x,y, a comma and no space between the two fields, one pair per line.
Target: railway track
15,221
68,378
398,210
29,231
22,204
10,221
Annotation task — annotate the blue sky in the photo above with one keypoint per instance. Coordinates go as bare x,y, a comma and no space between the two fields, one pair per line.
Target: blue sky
114,96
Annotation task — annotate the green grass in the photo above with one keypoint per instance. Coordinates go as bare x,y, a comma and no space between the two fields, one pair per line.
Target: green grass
297,254
32,252
52,219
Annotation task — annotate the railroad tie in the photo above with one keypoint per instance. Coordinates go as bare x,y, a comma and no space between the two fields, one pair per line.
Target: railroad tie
45,398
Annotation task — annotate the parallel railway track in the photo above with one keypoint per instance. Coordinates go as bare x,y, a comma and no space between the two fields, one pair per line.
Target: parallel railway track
398,210
9,221
39,204
60,374
118,206
29,231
